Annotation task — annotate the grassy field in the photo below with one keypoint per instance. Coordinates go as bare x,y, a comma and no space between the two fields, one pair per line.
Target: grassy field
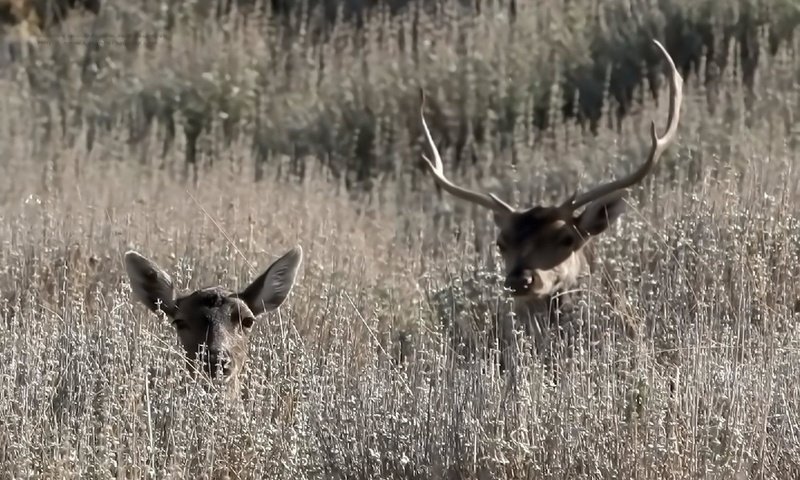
355,377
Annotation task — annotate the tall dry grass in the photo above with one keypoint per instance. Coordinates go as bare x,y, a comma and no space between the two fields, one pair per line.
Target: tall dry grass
355,377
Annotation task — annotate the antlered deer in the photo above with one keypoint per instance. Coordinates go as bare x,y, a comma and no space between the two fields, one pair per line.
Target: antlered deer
543,246
214,317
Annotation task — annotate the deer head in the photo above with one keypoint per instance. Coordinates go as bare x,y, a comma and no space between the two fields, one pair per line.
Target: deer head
541,246
214,317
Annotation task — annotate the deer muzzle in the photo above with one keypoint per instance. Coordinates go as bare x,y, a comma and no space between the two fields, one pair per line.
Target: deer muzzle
217,362
519,282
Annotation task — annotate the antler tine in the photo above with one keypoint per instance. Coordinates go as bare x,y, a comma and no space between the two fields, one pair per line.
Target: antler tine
659,145
489,201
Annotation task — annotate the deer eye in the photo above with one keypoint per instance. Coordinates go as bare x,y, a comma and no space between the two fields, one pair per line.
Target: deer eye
566,239
247,322
243,319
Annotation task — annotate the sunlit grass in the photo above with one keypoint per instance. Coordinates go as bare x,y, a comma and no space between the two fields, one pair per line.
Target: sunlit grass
355,377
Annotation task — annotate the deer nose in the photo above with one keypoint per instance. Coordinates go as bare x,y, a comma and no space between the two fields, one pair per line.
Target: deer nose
217,362
519,282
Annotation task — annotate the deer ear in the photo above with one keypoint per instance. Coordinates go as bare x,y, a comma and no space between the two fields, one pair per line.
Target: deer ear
601,213
269,291
151,285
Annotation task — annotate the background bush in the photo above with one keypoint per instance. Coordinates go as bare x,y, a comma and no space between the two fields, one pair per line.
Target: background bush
495,71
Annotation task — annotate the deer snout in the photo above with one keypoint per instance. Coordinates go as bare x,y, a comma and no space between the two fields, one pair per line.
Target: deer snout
217,361
519,282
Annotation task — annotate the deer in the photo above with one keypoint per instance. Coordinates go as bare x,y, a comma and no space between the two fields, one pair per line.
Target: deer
544,248
214,323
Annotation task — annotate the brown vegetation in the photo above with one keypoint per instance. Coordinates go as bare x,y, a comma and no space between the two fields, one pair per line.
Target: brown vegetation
356,375
39,15
24,22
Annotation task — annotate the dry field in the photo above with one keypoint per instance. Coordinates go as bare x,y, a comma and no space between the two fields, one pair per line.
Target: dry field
355,376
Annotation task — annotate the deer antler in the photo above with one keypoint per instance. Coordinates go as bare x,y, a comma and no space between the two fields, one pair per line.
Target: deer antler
489,200
659,145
